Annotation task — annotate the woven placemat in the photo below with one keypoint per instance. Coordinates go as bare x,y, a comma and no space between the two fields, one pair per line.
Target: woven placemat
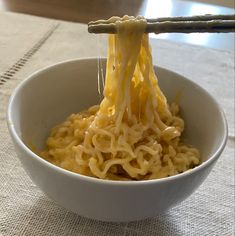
29,43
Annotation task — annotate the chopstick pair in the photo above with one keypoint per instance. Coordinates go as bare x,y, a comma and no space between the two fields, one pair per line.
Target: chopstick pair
188,24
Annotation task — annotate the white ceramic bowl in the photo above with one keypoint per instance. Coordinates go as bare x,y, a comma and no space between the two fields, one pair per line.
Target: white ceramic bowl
48,96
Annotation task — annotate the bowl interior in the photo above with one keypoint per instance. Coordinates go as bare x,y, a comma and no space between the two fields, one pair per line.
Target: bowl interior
49,96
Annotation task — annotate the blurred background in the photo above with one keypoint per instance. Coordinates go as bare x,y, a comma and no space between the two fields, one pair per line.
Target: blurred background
84,11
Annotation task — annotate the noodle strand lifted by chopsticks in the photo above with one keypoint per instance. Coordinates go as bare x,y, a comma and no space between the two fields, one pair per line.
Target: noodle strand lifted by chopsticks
133,134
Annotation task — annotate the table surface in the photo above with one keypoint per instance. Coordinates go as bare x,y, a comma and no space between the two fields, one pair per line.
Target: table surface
30,43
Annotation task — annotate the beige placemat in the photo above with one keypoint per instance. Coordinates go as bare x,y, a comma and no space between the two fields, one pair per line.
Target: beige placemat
29,43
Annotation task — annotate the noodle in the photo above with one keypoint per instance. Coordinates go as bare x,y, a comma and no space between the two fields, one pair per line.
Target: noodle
133,134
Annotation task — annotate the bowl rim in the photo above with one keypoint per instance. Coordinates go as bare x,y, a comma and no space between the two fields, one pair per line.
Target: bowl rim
94,180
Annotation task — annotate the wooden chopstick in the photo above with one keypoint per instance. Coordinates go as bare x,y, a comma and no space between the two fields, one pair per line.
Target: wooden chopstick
191,24
214,26
207,17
